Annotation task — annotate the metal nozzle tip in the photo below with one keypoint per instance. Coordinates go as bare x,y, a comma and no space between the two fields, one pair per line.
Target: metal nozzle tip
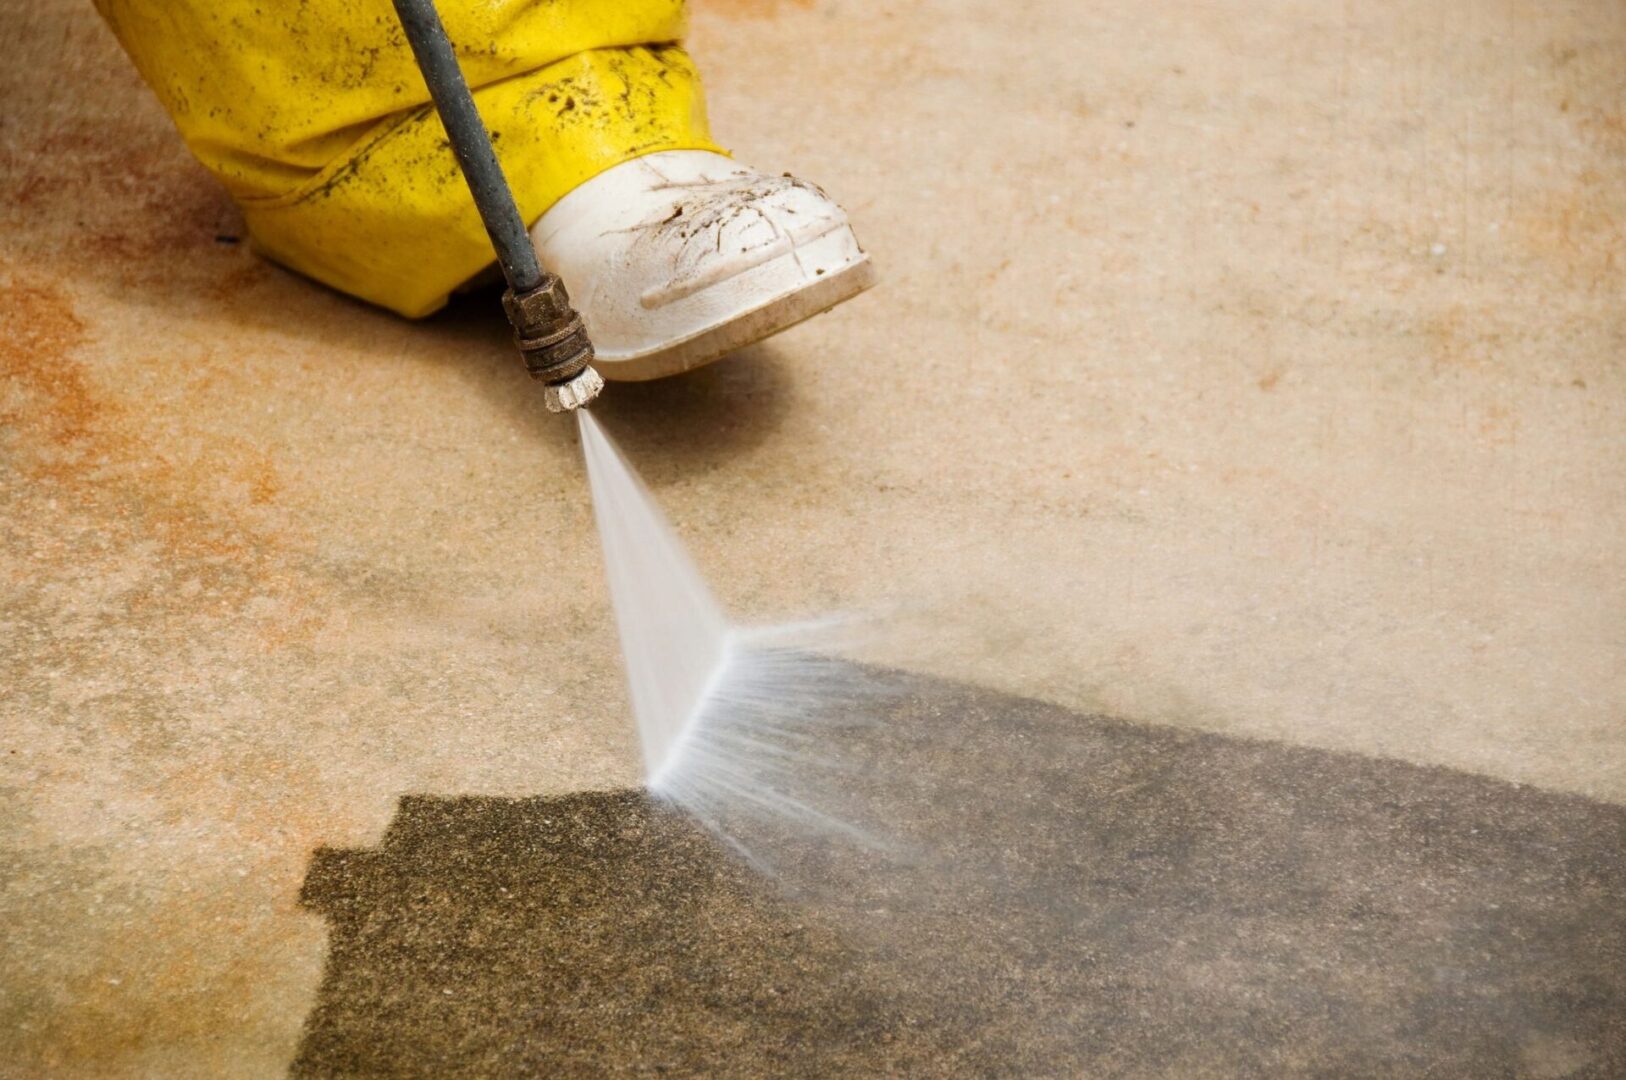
574,392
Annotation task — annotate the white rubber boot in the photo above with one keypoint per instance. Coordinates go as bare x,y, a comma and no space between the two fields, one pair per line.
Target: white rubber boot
678,258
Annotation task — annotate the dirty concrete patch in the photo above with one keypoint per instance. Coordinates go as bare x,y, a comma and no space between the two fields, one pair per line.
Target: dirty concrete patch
1060,895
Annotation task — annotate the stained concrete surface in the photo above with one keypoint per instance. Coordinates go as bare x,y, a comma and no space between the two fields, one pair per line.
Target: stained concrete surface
1250,368
1049,895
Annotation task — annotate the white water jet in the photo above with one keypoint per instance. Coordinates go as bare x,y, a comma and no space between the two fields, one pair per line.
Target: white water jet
675,641
736,723
732,720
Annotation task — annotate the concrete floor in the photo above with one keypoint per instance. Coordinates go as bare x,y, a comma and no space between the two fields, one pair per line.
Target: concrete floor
1251,368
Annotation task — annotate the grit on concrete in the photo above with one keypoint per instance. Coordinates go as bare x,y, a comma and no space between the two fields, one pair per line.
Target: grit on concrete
1248,368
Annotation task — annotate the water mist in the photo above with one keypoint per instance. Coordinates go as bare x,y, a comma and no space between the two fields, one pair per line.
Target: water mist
733,720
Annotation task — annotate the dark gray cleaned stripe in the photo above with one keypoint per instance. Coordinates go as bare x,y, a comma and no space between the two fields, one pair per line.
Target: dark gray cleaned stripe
1061,895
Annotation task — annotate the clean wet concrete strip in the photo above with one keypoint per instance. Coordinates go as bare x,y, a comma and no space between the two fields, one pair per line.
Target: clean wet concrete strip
1058,895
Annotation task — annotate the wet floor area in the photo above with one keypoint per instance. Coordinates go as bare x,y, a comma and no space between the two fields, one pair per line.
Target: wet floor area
1037,893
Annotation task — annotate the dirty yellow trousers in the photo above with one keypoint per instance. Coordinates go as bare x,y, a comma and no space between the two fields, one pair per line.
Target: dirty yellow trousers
316,119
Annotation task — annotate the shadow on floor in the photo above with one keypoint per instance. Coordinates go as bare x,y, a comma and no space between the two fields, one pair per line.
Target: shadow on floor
1085,897
679,425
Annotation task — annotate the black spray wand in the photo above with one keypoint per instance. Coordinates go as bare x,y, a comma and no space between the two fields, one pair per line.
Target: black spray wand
547,329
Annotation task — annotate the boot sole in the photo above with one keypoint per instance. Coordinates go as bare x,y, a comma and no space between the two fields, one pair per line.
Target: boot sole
717,341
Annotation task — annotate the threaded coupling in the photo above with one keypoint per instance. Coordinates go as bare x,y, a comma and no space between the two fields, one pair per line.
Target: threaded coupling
553,340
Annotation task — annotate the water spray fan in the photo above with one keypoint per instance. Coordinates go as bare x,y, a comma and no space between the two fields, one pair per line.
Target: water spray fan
549,332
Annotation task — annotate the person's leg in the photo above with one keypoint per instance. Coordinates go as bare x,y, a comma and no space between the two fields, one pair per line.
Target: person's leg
317,120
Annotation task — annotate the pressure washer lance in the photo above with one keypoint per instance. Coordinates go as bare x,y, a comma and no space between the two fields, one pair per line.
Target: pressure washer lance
548,331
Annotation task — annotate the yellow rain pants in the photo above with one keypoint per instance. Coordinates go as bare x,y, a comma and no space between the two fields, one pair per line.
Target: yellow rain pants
316,119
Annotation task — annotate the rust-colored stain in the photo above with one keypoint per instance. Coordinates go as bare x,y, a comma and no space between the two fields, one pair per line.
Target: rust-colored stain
261,478
1445,335
60,409
1607,128
1576,228
96,452
753,9
1459,336
39,332
171,205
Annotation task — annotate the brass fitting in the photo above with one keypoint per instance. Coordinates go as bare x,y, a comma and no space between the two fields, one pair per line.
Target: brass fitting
551,337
